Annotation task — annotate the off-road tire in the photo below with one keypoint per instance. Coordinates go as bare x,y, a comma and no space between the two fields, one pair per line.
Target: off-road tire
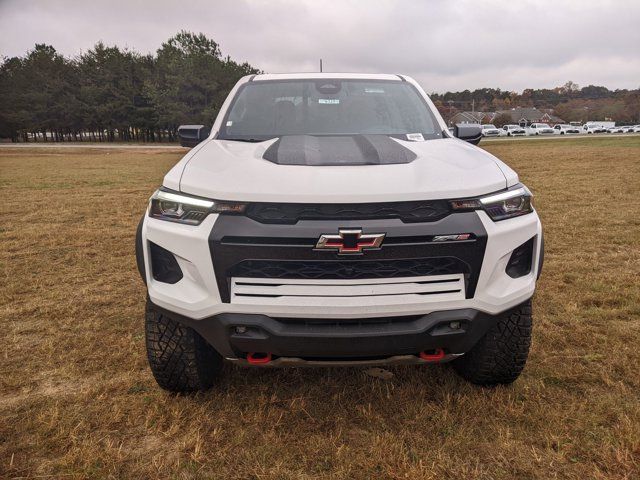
499,356
180,359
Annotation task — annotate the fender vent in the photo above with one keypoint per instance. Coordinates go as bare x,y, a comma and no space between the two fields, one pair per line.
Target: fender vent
520,262
164,265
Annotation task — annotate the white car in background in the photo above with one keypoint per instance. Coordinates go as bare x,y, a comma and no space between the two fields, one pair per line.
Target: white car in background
540,129
490,130
594,129
514,131
636,129
615,129
565,129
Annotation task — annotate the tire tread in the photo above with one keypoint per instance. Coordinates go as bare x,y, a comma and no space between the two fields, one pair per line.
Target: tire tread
180,359
500,356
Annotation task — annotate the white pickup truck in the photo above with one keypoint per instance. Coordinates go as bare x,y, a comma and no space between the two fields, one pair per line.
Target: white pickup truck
332,219
540,129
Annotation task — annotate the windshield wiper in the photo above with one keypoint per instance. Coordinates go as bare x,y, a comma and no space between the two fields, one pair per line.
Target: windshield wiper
249,140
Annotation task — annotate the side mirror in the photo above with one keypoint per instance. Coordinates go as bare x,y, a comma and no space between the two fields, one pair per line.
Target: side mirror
192,135
469,132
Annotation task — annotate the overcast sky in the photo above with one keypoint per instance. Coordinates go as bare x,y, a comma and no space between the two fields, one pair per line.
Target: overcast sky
445,45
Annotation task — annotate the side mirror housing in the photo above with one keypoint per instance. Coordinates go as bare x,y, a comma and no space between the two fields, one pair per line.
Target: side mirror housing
192,135
469,132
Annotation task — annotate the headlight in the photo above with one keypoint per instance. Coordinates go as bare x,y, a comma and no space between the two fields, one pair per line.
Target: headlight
500,206
181,208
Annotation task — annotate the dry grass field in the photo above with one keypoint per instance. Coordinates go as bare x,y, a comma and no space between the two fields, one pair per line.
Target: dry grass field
77,399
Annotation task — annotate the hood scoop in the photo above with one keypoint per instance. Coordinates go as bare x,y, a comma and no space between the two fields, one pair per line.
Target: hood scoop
337,150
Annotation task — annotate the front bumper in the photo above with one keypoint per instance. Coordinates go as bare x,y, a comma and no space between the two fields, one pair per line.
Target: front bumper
198,295
367,341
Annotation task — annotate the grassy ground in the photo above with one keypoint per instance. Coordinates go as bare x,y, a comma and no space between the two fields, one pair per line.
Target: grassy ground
78,401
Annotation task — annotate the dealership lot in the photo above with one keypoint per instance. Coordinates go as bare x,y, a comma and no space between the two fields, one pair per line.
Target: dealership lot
581,136
77,399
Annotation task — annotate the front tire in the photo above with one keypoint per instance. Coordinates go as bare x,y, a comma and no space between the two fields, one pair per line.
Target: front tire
180,359
499,356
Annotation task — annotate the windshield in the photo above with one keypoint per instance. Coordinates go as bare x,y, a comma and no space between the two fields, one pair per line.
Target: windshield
267,109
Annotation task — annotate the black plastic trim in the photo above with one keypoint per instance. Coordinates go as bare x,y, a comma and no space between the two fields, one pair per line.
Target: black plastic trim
340,338
541,257
164,266
290,213
140,251
521,260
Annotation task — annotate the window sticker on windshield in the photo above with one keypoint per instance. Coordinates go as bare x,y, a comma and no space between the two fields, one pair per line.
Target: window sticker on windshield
373,90
229,123
329,101
415,137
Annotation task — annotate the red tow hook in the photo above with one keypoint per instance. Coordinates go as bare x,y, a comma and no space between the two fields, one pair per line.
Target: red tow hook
438,354
255,358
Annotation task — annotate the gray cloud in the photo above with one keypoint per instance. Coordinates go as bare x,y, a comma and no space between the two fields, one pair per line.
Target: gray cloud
445,45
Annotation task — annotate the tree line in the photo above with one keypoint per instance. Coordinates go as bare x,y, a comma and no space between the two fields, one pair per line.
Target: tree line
109,93
570,102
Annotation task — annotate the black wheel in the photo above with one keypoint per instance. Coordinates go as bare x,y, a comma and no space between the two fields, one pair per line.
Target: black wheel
180,359
500,356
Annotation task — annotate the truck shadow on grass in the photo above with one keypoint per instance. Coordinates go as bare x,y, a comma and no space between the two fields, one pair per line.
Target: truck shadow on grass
325,385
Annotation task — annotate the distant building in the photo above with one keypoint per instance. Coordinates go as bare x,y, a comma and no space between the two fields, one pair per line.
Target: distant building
523,116
469,117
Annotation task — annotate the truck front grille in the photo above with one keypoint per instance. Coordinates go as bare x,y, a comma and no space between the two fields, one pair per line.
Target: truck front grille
276,255
291,213
348,269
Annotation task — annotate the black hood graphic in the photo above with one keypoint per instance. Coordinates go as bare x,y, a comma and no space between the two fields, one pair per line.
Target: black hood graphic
337,150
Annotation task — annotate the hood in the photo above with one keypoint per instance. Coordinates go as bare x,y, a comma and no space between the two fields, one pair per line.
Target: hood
433,169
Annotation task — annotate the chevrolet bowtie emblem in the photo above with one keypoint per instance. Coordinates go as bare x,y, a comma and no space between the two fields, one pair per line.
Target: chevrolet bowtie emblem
350,241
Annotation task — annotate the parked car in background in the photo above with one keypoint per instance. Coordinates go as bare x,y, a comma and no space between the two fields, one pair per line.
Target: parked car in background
593,128
604,124
514,131
615,129
636,129
490,130
565,129
540,129
627,129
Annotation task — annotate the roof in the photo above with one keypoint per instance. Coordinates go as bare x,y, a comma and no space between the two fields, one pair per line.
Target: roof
332,75
470,117
530,114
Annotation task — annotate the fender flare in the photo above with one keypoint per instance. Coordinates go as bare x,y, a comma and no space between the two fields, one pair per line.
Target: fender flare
140,251
541,256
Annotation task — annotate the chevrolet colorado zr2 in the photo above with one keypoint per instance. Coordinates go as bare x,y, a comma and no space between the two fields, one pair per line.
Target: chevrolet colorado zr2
333,219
